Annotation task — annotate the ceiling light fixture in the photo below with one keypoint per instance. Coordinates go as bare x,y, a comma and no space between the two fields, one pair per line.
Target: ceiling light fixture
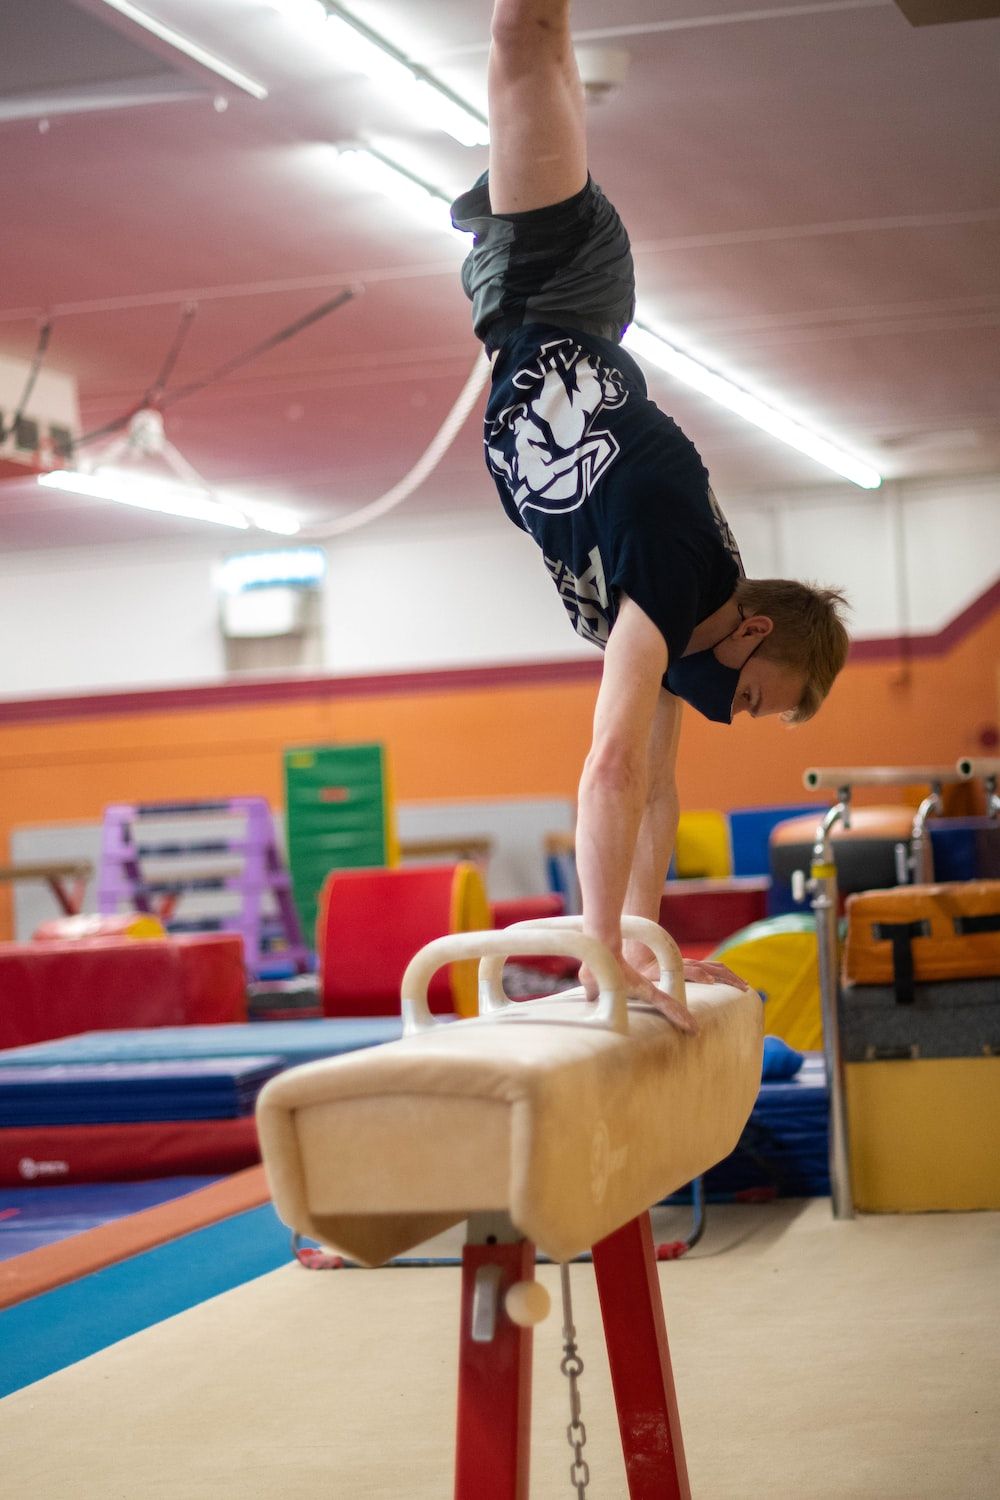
189,48
370,169
649,346
185,493
123,488
363,50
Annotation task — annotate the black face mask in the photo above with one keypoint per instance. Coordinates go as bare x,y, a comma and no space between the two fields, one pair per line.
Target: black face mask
702,680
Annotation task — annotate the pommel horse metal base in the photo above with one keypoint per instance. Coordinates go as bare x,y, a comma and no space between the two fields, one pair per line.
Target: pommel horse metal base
553,1122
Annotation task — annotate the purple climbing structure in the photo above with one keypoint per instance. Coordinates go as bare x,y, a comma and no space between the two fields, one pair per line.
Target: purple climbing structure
152,860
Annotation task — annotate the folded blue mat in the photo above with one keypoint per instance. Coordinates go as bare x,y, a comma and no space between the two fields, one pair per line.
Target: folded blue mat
125,1093
292,1041
783,1147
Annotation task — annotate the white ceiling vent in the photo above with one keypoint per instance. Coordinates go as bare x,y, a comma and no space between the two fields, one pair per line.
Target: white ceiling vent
256,614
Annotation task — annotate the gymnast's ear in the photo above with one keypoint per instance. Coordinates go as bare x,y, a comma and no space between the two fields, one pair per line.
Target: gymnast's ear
755,625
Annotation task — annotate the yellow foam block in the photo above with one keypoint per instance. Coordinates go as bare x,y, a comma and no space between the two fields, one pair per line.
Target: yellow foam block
701,848
470,911
924,1133
778,958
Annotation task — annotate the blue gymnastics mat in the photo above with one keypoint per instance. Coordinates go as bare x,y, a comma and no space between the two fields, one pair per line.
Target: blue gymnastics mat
107,1093
291,1041
784,1145
58,1328
35,1216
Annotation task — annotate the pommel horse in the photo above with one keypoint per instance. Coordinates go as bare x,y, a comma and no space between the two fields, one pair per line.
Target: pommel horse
554,1123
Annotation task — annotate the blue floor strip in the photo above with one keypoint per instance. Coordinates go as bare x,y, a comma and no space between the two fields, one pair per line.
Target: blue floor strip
65,1325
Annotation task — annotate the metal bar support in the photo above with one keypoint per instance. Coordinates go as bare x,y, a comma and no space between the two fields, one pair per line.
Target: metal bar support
823,885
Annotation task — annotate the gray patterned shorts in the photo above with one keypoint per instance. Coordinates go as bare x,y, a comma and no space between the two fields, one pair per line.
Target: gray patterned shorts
568,264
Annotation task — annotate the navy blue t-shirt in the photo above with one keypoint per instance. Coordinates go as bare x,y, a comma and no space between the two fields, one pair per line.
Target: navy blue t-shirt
615,495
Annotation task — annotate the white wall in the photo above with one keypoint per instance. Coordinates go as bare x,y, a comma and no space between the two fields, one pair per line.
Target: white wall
90,618
451,591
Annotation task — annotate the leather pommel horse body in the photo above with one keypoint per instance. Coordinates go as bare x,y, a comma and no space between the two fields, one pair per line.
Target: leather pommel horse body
562,1119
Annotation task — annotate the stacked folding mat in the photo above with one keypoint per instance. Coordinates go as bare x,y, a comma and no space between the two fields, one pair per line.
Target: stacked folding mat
123,1105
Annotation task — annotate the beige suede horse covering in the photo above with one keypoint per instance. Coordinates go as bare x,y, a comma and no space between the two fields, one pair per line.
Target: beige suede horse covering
569,1128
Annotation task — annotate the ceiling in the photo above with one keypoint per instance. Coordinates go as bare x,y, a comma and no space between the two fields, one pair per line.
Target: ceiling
812,190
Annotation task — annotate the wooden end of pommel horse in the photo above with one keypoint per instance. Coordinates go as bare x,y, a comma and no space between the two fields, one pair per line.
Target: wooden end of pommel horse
554,1122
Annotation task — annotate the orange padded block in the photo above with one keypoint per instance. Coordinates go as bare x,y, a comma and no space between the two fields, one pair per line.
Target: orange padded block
945,952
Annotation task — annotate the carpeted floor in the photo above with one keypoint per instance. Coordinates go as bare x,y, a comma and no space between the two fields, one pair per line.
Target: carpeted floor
814,1360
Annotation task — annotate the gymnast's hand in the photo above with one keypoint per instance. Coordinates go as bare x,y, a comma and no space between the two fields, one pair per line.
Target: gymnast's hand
696,972
640,987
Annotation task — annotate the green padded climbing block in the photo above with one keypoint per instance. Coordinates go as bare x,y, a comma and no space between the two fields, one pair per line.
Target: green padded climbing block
338,817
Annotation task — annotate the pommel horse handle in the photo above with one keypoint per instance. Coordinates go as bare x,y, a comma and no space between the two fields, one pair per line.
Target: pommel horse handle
609,1010
494,1001
550,935
838,776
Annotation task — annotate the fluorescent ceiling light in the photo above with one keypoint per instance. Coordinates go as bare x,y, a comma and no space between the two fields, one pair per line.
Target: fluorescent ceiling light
169,497
448,114
371,169
145,494
364,51
189,48
360,53
657,351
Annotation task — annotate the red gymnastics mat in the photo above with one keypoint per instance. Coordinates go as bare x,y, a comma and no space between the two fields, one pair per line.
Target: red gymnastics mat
51,1154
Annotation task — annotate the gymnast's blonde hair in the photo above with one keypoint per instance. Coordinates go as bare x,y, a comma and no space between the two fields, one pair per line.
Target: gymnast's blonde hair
809,633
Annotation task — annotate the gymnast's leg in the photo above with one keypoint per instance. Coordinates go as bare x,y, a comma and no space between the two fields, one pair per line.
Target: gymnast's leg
538,148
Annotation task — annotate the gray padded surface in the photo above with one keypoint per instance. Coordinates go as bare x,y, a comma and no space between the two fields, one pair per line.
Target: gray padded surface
954,1018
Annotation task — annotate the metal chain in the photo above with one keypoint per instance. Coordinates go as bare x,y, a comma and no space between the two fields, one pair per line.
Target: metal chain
572,1368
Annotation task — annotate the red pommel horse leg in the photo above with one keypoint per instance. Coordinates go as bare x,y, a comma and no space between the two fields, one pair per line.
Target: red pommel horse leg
494,1377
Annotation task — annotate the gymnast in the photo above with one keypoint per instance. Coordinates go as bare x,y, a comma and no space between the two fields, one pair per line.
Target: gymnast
612,491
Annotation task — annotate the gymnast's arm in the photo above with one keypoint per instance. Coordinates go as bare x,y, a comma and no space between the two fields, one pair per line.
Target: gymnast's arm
658,826
538,138
614,787
655,845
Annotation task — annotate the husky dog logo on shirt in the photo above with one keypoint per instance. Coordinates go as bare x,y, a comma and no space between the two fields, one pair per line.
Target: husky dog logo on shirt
546,447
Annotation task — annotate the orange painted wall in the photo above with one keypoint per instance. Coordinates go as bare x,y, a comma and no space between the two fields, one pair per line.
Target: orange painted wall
878,713
488,742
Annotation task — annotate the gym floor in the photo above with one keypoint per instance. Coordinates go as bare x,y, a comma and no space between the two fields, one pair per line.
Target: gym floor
851,1360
